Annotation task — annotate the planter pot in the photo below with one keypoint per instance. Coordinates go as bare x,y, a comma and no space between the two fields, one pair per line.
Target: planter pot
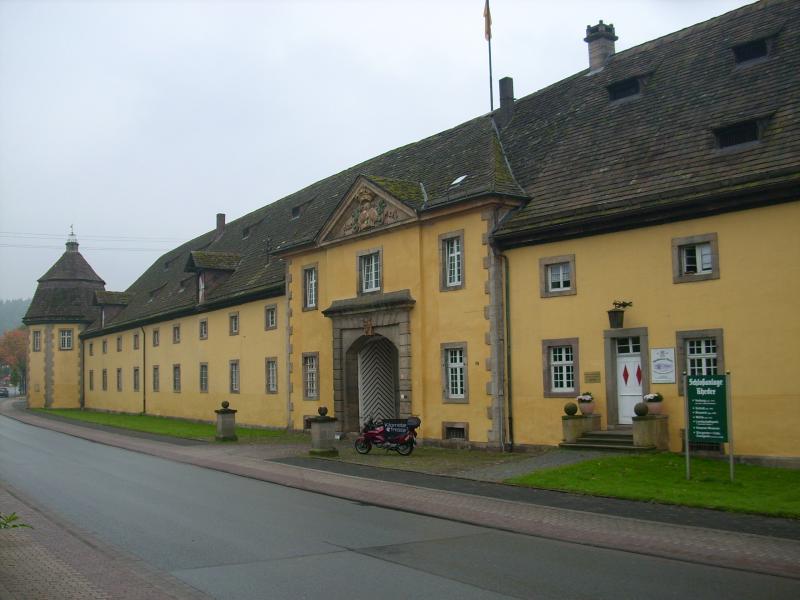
654,408
616,317
587,408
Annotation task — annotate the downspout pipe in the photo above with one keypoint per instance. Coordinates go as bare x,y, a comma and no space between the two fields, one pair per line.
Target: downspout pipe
144,372
509,378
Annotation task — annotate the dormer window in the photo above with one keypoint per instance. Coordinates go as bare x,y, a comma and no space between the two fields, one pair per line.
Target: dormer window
295,212
201,288
738,134
627,88
245,233
751,51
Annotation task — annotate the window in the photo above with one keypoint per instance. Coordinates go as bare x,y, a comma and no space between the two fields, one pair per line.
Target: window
104,381
454,372
105,346
557,276
271,375
234,376
309,288
699,352
119,380
233,323
156,337
201,288
65,336
176,378
695,258
91,380
91,348
135,379
311,376
203,329
560,367
176,334
135,341
37,341
271,317
369,271
156,381
203,377
451,261
119,343
750,51
624,89
738,134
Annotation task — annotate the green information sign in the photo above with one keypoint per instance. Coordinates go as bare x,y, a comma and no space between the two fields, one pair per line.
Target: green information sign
708,414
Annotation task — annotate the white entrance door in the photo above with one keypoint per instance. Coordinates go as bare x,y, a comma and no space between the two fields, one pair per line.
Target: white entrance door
629,377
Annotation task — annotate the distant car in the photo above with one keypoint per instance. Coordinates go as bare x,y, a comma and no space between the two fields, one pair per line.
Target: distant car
3,392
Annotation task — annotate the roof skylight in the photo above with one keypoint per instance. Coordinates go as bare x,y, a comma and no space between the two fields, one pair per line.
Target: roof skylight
458,180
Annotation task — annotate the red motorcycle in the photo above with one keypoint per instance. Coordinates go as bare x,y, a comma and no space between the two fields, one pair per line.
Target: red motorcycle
390,434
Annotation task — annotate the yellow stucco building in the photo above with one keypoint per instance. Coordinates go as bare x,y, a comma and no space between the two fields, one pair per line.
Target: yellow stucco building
466,278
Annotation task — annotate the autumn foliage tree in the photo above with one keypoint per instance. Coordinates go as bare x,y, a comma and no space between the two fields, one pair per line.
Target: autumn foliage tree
14,353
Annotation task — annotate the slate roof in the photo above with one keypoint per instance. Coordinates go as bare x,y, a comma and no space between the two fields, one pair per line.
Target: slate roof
65,293
585,160
216,261
111,298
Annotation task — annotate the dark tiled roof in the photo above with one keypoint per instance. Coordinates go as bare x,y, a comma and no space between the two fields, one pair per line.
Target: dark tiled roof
71,267
217,261
111,298
582,157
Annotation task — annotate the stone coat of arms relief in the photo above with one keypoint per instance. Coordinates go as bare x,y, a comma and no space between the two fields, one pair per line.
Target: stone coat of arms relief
368,210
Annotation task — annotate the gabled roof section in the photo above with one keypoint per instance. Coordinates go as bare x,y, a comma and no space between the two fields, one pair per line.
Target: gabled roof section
103,298
368,206
200,260
590,164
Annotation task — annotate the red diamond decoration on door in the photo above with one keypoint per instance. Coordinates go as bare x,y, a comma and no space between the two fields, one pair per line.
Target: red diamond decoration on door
625,374
639,374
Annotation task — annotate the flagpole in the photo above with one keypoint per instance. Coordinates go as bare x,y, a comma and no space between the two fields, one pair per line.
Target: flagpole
487,23
491,85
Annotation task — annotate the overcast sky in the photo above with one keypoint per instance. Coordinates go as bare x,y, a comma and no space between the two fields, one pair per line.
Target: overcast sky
138,121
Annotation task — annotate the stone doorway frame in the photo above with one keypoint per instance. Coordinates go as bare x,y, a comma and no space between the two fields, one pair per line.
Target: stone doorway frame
388,315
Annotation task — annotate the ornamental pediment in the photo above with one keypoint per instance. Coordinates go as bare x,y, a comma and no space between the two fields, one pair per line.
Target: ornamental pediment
366,207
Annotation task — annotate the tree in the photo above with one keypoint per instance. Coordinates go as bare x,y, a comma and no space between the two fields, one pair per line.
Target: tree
14,353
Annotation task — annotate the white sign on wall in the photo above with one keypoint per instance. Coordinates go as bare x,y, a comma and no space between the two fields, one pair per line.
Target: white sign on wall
662,365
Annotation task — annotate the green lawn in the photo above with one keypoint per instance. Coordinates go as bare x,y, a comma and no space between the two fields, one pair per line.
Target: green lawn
662,478
174,427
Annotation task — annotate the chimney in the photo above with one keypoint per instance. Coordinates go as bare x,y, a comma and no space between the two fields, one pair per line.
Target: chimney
601,40
220,225
503,116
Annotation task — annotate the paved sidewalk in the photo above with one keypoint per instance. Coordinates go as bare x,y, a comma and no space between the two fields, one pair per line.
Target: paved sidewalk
726,547
57,561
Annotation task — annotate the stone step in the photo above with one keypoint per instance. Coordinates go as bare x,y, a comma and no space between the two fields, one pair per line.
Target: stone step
605,446
601,435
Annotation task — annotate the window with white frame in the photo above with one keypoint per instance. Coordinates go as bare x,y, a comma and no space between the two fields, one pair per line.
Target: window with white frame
37,340
311,376
701,356
271,375
455,372
105,346
91,348
105,379
156,378
203,329
135,379
699,352
453,262
233,324
65,336
559,277
156,337
119,343
176,378
176,334
310,288
135,341
370,272
203,377
234,376
271,317
695,258
560,367
119,380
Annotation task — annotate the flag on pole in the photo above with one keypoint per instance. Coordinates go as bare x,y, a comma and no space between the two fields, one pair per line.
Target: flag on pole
487,18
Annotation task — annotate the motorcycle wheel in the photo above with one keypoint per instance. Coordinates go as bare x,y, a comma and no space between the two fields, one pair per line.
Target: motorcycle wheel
405,449
362,446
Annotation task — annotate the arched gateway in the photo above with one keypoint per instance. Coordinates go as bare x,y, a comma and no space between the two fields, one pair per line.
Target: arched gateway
371,357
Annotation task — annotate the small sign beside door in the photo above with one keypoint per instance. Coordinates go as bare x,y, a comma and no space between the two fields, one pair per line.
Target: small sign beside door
662,365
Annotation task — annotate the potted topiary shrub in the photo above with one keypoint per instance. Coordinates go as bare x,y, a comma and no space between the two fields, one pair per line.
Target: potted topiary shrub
586,403
653,401
617,314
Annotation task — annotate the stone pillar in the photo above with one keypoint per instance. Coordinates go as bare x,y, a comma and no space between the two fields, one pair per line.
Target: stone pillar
323,429
226,423
574,426
651,430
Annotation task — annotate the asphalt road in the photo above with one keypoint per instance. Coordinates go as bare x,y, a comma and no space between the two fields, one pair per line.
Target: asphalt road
234,537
